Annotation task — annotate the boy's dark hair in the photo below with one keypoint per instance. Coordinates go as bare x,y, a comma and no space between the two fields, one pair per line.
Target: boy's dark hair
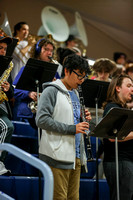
74,61
62,53
117,55
17,27
70,38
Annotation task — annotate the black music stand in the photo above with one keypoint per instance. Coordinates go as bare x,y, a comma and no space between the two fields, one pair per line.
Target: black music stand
117,124
4,63
35,73
95,93
11,47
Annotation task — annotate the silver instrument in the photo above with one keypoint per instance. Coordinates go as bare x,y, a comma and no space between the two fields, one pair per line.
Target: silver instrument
33,106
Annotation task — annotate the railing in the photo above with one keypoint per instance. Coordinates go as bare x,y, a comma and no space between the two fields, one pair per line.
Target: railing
42,166
4,196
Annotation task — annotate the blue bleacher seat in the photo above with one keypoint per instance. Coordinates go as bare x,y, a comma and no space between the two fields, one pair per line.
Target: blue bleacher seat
20,168
88,189
27,143
20,188
24,128
26,188
25,137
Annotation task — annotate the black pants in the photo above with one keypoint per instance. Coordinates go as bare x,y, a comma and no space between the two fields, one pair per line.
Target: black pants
6,130
125,179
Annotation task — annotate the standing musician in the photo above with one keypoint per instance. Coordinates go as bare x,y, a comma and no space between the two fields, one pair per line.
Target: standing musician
42,50
6,126
119,94
58,115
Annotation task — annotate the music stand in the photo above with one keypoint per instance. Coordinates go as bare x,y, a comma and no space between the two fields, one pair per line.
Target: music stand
117,124
4,63
95,93
35,73
11,47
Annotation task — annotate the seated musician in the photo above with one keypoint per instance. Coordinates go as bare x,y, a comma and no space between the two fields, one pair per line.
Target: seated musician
43,50
6,126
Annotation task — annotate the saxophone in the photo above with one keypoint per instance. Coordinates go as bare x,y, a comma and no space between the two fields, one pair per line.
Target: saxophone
3,78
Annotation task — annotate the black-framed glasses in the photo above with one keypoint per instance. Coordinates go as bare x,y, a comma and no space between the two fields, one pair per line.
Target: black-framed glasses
80,77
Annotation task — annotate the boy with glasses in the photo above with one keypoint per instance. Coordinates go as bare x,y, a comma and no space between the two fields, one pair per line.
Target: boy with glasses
58,116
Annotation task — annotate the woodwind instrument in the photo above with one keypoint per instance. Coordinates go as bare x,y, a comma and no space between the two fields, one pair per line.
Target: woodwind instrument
87,137
4,77
52,60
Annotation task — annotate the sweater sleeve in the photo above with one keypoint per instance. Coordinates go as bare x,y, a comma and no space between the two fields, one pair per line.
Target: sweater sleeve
20,94
45,111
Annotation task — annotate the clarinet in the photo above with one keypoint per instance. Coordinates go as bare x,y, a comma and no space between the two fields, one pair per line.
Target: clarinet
86,137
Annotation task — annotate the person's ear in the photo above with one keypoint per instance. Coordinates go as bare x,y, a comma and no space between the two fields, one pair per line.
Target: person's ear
66,71
118,89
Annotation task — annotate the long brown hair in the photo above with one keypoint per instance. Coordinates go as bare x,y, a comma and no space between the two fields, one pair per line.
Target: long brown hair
111,93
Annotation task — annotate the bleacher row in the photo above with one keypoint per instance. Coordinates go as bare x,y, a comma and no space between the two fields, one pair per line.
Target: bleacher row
23,184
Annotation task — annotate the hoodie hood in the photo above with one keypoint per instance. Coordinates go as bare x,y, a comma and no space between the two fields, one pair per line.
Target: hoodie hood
58,84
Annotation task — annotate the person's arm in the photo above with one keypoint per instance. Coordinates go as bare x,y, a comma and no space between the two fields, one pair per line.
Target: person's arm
45,120
21,94
44,115
128,137
10,91
31,42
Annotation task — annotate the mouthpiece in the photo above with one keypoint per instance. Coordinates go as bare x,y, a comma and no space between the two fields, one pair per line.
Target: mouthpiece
50,57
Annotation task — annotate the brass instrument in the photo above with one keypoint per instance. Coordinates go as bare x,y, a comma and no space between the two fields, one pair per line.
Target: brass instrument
87,137
3,78
33,106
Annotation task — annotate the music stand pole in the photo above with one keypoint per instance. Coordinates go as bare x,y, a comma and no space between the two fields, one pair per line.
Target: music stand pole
97,174
39,137
117,165
39,130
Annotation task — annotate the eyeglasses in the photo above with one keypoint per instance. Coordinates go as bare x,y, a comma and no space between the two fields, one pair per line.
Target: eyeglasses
79,76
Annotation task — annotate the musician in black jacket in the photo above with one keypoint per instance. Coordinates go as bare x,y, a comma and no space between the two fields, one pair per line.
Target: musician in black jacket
119,94
6,126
